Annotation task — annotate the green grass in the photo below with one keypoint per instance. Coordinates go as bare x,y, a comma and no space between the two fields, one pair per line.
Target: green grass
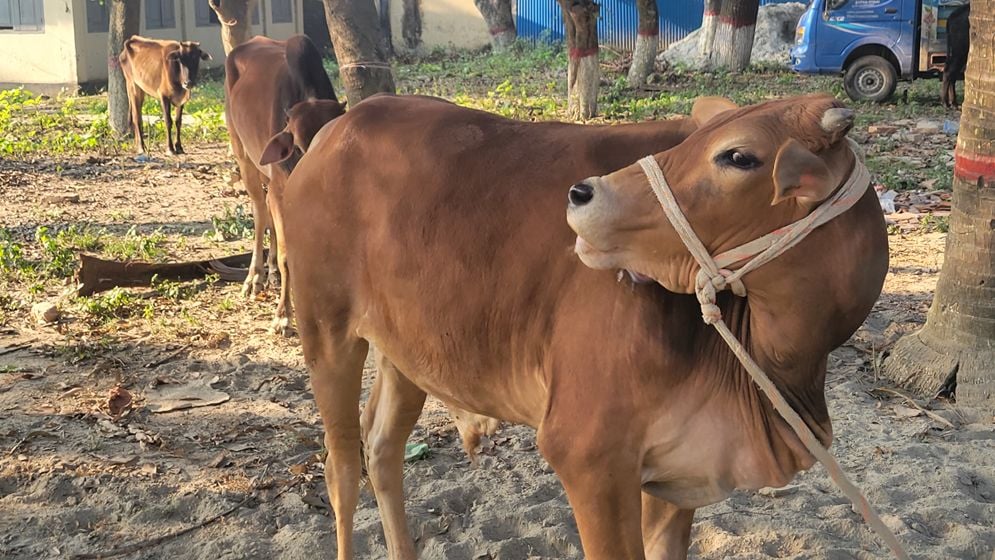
234,223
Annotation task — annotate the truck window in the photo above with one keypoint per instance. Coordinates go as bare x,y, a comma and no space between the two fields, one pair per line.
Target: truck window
836,4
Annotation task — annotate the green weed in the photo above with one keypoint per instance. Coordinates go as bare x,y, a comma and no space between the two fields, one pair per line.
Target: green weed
110,305
135,246
233,224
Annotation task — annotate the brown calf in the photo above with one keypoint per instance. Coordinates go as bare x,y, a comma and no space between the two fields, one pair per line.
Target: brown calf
166,70
266,82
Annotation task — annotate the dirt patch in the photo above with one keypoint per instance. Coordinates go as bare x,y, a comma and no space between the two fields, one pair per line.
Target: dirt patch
85,470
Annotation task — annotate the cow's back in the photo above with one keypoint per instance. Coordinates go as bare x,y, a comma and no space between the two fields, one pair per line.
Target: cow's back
414,217
143,62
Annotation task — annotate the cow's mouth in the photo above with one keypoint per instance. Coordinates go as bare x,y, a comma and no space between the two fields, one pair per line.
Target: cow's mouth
595,257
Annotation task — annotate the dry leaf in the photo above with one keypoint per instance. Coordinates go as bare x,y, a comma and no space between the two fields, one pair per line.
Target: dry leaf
118,401
298,470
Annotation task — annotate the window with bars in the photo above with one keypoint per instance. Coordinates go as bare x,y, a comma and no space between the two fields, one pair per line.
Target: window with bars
22,15
283,11
204,16
159,14
97,16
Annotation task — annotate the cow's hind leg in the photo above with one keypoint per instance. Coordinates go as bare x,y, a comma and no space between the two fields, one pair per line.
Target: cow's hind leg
335,360
253,181
945,90
666,529
283,321
394,406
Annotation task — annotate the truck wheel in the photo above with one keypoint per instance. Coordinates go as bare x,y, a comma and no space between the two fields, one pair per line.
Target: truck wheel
870,78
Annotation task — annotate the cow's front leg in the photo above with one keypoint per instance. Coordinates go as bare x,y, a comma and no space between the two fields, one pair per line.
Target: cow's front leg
666,529
167,120
178,146
602,482
284,319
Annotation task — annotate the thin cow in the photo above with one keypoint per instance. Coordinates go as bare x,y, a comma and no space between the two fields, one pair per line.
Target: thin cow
166,70
437,234
267,82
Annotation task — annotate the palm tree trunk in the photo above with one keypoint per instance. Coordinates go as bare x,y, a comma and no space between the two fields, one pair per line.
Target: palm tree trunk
235,17
124,22
957,343
733,41
580,21
359,48
500,22
644,55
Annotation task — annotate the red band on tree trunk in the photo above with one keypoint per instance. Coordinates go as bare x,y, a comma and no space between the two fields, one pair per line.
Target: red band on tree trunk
710,13
653,33
113,62
970,167
734,23
581,53
499,30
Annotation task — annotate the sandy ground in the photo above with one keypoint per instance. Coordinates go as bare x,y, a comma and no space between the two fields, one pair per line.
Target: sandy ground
74,480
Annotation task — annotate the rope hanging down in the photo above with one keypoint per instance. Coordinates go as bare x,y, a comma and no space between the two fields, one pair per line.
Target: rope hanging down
714,276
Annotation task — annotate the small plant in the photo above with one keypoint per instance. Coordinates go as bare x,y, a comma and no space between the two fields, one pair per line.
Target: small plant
113,304
135,246
929,223
233,224
12,259
173,291
59,249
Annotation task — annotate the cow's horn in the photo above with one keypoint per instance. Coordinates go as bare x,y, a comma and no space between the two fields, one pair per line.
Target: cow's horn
837,119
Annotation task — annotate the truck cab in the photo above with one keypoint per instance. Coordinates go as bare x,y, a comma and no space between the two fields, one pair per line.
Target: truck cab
872,43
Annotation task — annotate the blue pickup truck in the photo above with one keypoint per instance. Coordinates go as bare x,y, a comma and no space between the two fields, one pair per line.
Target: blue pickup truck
873,43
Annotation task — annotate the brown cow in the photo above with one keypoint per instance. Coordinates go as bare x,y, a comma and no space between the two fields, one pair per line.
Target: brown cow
166,70
436,233
266,83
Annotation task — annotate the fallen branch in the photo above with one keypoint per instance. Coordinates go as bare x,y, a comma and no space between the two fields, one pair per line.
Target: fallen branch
167,357
142,545
98,275
917,406
15,348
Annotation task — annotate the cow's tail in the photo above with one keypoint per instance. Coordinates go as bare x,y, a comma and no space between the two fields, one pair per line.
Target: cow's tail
306,70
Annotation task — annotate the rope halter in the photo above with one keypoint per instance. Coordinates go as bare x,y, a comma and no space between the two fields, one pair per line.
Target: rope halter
727,269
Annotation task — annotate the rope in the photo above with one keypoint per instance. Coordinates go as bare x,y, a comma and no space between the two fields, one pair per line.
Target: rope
713,277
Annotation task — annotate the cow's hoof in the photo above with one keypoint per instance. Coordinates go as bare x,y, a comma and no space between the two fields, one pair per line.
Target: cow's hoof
281,327
252,287
178,151
273,280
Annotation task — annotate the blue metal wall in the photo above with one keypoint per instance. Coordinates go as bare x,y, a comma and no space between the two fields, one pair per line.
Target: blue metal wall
618,24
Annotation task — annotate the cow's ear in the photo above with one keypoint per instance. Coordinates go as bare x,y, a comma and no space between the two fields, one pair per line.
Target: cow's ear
705,108
279,148
204,55
173,56
800,174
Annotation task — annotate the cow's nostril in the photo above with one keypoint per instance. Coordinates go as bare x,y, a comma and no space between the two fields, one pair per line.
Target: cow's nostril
580,194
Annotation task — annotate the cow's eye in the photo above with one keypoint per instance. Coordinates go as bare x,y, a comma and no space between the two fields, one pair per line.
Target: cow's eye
738,159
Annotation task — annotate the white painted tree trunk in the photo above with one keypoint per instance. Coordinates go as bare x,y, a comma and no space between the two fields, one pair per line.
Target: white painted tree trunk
584,77
732,46
643,59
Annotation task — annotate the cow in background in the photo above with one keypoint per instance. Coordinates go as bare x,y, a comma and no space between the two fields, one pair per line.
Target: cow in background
265,81
958,45
166,70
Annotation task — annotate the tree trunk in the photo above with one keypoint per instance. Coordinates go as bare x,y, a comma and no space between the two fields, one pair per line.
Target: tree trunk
235,17
124,22
709,23
500,22
411,24
957,344
359,48
644,56
733,41
580,21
